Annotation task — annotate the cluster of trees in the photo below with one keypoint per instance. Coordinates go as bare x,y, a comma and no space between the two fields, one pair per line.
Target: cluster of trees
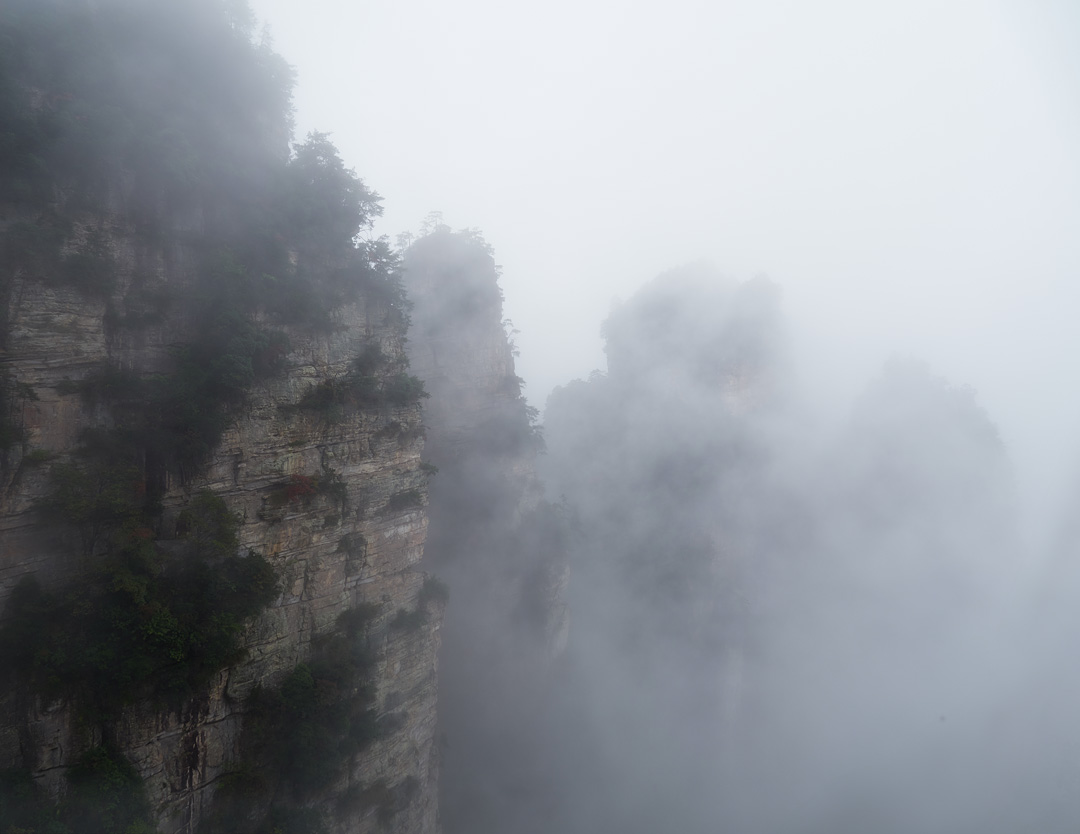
141,623
298,734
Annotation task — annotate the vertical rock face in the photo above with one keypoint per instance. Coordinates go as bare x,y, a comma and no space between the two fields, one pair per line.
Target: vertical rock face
333,550
493,539
199,361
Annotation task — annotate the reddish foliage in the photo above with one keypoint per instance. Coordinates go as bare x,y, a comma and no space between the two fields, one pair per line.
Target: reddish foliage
299,486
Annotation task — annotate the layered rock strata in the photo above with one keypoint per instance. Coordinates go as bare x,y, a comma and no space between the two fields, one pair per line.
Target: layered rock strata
332,553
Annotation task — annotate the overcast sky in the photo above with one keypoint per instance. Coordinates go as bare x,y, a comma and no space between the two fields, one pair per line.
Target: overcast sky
908,172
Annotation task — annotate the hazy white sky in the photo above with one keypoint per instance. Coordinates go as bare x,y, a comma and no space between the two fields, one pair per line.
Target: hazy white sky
909,172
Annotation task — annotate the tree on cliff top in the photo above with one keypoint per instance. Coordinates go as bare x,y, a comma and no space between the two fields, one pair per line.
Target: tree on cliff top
331,202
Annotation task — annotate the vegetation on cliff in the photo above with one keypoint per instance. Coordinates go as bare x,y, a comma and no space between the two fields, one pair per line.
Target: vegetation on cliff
370,382
162,131
298,734
191,149
140,623
105,795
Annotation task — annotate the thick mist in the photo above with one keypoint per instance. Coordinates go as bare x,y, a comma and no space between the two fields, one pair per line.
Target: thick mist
787,624
779,622
906,172
781,555
818,583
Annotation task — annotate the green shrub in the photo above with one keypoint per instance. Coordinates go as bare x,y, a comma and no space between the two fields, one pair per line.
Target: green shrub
106,795
377,795
383,280
24,807
89,269
299,734
404,389
408,621
97,495
407,499
403,433
353,544
362,387
368,362
434,590
334,487
188,410
391,431
108,384
140,624
209,526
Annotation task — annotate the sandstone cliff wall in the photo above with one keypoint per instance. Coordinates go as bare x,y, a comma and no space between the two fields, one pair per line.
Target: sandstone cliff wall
332,553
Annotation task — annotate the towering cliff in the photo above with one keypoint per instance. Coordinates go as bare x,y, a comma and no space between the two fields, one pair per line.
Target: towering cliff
212,504
496,542
335,507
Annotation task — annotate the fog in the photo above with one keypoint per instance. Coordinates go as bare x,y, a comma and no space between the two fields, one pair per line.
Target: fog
822,567
782,624
907,173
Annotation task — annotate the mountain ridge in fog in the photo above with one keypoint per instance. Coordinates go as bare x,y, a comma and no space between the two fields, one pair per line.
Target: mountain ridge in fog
729,610
855,591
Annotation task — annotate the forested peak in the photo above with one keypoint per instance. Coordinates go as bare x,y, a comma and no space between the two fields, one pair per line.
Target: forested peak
696,319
